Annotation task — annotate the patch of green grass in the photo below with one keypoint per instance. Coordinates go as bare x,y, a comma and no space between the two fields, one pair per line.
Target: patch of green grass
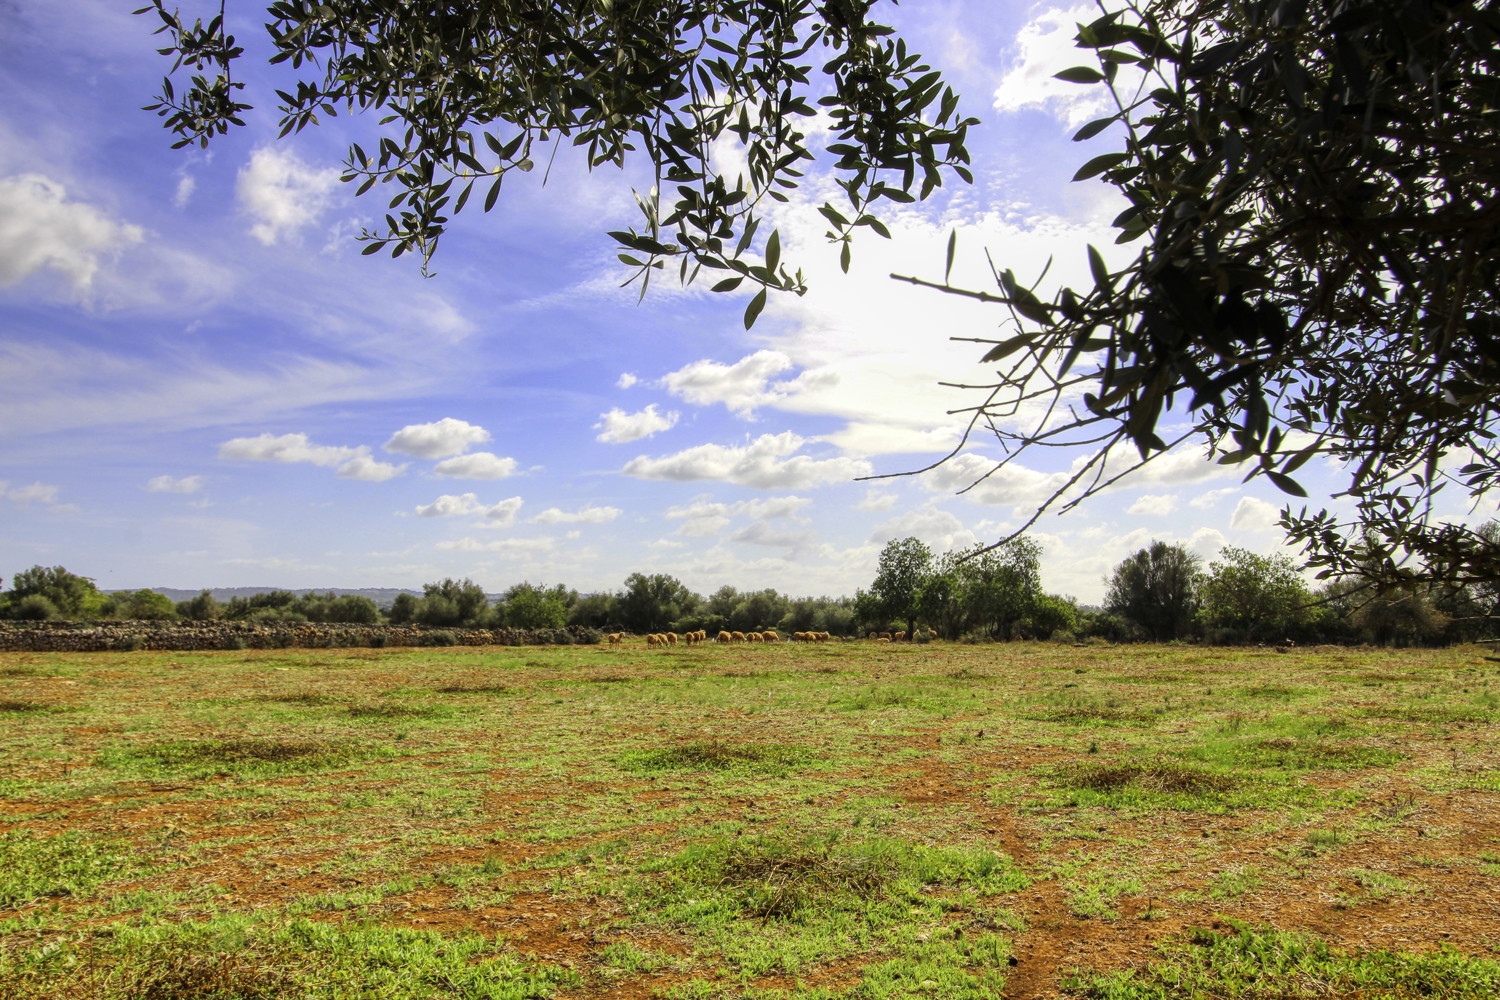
1371,887
1093,715
10,706
307,699
1260,962
715,755
1291,753
237,957
70,864
388,711
245,756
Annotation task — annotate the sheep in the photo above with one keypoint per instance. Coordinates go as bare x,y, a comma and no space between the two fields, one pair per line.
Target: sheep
671,638
702,635
898,636
823,636
799,637
770,637
736,637
651,639
722,636
753,637
873,635
932,633
615,637
884,638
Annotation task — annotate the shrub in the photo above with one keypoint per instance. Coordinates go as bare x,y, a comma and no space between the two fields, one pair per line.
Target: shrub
587,636
35,608
439,637
377,640
129,644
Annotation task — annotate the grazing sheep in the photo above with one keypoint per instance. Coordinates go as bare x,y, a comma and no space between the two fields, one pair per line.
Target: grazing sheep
770,637
736,637
824,636
651,639
884,638
615,637
723,637
873,635
932,633
753,637
671,638
799,636
898,636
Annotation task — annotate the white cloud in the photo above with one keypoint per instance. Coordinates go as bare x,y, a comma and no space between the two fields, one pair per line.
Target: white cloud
510,546
1206,501
36,493
619,427
1253,514
587,514
169,484
439,439
876,501
350,463
704,517
283,194
627,380
761,464
480,465
185,188
269,447
369,470
501,515
744,386
1045,47
938,528
762,533
1153,504
41,229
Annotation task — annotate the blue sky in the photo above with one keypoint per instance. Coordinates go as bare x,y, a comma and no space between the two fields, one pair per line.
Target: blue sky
203,383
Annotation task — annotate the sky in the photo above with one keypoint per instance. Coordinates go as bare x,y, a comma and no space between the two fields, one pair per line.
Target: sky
203,383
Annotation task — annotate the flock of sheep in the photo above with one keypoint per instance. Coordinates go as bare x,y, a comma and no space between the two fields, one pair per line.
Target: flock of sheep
693,638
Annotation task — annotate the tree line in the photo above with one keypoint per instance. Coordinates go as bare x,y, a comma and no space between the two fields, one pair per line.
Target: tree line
1161,593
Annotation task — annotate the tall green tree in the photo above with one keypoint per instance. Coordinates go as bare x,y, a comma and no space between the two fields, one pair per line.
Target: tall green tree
453,603
651,603
528,606
1259,597
1002,585
905,564
1156,590
72,596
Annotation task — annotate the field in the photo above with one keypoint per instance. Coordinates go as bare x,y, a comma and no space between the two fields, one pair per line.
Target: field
835,820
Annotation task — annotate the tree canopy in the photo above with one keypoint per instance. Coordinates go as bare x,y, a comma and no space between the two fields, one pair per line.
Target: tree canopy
1315,192
468,94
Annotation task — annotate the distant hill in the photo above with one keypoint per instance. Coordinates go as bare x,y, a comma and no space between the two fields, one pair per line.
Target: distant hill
382,596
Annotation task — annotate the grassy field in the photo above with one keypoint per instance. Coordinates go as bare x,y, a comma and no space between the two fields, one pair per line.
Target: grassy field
836,820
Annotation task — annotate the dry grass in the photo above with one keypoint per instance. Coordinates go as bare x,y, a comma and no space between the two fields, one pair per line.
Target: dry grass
1156,777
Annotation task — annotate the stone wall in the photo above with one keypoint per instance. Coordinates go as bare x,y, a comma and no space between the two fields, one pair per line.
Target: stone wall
97,636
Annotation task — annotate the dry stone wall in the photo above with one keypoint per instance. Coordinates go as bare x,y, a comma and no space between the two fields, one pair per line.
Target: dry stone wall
98,636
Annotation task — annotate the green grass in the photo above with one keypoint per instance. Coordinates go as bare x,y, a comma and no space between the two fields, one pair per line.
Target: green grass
1261,962
742,824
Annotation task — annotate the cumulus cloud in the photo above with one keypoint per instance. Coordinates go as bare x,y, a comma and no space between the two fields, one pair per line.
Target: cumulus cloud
26,496
500,515
507,546
762,533
587,514
170,484
626,380
704,517
1206,501
744,386
438,439
349,463
876,501
619,427
480,465
1153,504
283,194
938,528
1253,514
369,470
1044,47
40,229
186,185
767,463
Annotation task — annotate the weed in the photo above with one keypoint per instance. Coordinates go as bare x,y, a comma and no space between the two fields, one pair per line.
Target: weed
34,867
1156,777
715,755
230,756
23,707
1088,715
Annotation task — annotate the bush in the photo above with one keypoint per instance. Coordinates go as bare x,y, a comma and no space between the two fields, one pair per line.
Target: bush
587,636
439,637
377,640
35,608
1062,635
129,644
